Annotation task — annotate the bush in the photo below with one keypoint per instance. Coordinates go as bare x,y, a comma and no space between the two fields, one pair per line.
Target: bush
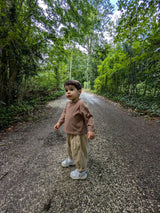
148,104
24,110
33,94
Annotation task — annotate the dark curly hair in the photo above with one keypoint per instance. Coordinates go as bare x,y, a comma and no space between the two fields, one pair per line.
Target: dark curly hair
74,83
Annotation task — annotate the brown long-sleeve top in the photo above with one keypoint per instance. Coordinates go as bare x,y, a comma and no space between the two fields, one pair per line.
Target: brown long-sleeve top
76,118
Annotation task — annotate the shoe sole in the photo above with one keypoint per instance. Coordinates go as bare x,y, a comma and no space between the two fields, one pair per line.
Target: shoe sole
67,165
80,178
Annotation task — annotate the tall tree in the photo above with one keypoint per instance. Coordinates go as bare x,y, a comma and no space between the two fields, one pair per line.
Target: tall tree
98,21
135,26
26,30
19,44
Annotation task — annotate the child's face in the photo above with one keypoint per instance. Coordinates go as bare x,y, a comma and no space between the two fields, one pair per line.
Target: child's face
72,93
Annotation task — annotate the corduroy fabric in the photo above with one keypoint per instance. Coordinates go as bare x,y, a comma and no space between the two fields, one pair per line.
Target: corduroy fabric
77,150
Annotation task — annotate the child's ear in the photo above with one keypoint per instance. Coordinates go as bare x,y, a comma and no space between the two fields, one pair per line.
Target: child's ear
80,91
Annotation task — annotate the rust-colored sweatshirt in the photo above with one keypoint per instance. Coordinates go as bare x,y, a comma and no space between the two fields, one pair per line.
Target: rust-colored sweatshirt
76,118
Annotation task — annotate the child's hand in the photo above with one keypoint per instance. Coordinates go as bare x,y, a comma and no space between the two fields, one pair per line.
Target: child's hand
56,127
91,135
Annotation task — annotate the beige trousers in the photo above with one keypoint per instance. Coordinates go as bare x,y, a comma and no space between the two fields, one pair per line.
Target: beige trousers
77,150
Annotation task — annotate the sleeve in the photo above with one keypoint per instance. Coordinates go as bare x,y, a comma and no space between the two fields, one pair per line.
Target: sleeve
62,117
88,118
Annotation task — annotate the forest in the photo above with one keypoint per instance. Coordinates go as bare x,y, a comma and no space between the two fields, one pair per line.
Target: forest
44,43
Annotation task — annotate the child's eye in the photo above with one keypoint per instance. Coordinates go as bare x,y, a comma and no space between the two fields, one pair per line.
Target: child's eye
71,89
66,90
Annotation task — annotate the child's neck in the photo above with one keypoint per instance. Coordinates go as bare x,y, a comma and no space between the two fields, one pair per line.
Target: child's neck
75,100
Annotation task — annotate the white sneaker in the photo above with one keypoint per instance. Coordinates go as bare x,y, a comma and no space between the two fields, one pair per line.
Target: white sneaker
78,175
68,162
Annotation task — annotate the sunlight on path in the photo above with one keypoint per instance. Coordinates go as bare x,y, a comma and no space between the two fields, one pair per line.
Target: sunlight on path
90,98
87,97
58,103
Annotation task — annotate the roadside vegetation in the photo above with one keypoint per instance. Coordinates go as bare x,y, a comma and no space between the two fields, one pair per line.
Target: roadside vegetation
30,105
42,44
147,106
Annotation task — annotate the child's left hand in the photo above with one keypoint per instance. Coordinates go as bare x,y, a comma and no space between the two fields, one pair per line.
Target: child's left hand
91,135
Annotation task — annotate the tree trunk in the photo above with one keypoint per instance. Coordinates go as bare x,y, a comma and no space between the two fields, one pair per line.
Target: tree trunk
70,67
57,76
134,78
3,76
87,70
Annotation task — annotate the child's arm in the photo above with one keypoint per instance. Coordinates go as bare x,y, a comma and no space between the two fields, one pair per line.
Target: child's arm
61,120
89,121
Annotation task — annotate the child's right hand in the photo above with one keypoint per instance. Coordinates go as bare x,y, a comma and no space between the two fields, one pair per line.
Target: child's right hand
56,127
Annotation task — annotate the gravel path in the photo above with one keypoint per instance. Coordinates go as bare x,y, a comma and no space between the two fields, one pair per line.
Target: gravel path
123,167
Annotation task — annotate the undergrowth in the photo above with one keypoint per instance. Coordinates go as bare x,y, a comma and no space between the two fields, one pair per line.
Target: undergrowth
144,105
24,110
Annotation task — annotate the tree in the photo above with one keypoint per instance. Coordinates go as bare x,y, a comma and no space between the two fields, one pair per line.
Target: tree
112,72
20,43
26,30
136,27
94,36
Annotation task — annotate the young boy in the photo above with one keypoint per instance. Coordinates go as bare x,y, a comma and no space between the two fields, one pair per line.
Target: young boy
78,124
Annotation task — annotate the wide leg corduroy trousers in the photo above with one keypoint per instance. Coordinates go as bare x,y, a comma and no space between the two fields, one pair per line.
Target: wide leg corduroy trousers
77,150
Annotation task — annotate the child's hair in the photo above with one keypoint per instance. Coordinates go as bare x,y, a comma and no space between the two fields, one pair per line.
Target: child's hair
74,83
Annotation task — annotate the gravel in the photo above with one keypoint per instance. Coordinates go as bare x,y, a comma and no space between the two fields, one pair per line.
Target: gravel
123,167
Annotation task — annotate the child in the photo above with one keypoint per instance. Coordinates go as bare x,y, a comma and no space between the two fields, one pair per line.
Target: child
78,124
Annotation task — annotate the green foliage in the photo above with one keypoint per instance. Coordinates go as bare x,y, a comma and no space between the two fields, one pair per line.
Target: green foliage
29,37
87,84
20,42
38,92
111,71
42,87
79,63
38,52
25,110
143,105
130,72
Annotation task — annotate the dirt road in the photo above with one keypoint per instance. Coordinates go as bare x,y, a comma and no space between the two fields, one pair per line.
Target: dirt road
123,167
